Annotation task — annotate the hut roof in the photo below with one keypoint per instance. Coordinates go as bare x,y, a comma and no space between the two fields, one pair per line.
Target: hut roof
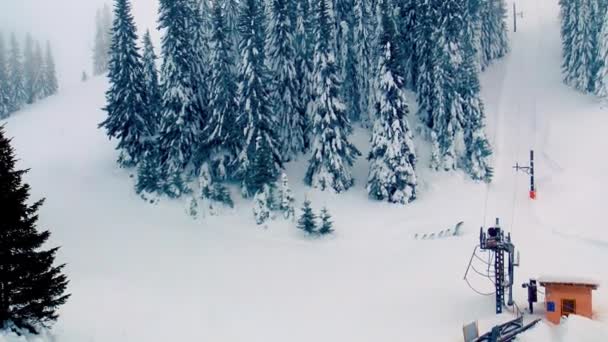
569,281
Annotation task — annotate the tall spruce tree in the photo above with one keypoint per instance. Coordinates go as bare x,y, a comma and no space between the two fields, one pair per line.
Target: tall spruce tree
392,175
259,161
364,52
129,119
282,58
32,288
39,85
18,94
406,20
221,136
303,57
494,40
332,153
150,76
601,82
51,85
5,100
231,12
99,46
29,69
182,115
478,150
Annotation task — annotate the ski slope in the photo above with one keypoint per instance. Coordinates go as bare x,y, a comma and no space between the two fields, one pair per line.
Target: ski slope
142,272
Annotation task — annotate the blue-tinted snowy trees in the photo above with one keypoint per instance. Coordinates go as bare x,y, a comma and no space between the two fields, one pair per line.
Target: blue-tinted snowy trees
332,153
286,85
51,85
392,156
307,221
129,119
5,99
181,115
222,138
258,161
16,80
494,39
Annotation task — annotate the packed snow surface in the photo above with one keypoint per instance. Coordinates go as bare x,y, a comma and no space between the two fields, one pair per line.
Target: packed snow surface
142,272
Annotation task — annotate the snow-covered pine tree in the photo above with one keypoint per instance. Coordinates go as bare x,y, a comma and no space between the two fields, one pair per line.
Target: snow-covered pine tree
231,12
211,191
363,45
392,175
39,86
282,58
327,226
597,17
33,288
406,23
221,136
99,46
428,83
150,75
308,220
84,77
259,161
478,150
18,94
601,82
286,199
494,40
129,118
29,69
578,48
5,100
303,47
51,85
262,204
332,153
181,115
200,33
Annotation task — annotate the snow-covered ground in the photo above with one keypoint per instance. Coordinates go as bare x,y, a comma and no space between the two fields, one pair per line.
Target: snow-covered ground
142,272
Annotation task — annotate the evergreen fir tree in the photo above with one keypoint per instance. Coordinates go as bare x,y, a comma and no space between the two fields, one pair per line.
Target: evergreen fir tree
18,94
200,32
39,85
327,226
51,85
99,46
407,43
332,153
286,199
308,220
129,118
221,136
231,12
478,150
259,161
33,288
261,206
392,157
494,40
281,56
150,75
601,81
303,47
181,117
212,191
29,69
5,100
362,37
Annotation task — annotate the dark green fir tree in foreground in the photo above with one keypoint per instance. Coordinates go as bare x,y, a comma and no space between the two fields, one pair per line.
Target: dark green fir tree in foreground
308,220
31,287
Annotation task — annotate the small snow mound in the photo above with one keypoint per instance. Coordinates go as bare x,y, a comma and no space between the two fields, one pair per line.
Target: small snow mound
573,329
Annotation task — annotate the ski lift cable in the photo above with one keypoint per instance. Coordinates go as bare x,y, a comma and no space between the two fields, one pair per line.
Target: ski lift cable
476,291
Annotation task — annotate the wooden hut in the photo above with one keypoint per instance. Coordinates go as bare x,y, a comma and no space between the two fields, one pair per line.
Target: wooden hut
565,296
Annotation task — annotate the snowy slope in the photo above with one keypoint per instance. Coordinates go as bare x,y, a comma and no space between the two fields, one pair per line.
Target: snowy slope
143,272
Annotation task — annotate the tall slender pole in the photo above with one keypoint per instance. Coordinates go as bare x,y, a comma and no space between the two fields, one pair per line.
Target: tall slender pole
514,18
532,185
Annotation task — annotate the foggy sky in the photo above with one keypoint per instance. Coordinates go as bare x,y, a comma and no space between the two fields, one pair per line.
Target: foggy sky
69,25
